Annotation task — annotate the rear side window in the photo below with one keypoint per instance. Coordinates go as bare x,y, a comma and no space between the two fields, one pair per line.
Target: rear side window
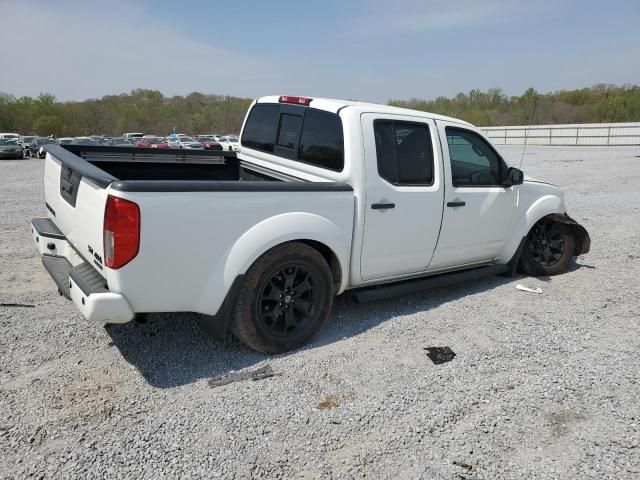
297,133
404,152
474,162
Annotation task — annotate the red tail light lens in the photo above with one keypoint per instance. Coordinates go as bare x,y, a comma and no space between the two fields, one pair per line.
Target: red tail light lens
296,100
121,232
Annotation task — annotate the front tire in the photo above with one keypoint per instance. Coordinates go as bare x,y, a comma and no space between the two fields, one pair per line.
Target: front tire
285,299
549,248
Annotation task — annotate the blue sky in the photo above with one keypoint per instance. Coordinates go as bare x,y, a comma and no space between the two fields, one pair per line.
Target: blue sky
366,50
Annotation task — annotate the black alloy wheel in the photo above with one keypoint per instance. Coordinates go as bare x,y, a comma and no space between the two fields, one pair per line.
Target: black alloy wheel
546,243
286,299
549,248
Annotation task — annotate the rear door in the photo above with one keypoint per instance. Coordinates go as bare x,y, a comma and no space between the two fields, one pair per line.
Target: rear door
478,209
404,195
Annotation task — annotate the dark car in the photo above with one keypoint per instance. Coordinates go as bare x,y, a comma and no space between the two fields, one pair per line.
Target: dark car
36,147
10,148
84,141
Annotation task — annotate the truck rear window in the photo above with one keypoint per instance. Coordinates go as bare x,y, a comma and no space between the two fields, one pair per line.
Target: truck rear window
297,133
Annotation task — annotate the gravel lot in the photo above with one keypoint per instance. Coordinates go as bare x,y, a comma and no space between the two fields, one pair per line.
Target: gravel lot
543,386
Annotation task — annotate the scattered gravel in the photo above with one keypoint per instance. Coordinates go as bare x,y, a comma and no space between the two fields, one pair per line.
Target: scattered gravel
542,386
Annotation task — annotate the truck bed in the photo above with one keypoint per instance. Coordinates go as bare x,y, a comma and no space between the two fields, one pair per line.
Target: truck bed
105,165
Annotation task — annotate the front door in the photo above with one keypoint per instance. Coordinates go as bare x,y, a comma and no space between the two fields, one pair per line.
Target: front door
478,211
404,195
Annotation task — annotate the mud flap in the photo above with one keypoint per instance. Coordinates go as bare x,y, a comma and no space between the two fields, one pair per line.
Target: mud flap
583,241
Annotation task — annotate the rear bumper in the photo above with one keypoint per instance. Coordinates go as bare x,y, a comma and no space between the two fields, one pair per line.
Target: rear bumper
76,279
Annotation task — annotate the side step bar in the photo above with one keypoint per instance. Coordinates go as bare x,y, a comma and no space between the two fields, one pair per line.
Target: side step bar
436,281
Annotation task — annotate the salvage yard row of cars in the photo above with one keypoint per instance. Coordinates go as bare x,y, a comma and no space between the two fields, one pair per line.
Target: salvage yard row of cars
13,145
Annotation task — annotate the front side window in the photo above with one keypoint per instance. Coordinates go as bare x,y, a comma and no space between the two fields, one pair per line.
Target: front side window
404,152
473,161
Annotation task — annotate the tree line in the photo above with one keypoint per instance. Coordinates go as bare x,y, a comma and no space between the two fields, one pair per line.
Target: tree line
150,111
599,104
139,111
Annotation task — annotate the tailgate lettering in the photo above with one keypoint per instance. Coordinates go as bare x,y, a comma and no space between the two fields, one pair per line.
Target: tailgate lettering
69,182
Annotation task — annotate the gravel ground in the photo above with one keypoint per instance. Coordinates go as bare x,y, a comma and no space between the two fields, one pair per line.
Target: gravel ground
543,386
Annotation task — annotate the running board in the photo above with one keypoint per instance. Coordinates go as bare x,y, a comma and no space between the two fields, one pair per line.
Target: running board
436,281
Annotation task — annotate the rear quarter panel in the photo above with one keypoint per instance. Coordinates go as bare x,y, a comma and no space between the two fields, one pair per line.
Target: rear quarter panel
194,244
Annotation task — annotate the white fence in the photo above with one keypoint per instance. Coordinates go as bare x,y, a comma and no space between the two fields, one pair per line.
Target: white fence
576,134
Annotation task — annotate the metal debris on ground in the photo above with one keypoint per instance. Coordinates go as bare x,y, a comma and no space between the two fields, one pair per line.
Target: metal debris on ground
258,374
17,305
466,465
440,355
528,289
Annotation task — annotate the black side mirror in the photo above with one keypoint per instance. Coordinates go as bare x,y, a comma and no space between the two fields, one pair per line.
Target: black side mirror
513,177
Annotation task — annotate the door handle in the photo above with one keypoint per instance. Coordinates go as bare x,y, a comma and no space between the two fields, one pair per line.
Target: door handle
456,204
382,206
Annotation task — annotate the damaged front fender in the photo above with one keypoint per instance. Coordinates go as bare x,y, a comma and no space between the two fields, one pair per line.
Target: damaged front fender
583,241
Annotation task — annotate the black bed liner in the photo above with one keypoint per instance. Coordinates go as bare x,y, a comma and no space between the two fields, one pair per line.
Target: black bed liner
134,169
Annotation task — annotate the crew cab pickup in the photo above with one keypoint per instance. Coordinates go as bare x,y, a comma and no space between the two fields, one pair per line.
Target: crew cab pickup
322,197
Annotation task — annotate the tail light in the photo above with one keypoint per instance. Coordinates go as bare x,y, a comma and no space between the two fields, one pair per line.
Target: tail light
121,232
295,100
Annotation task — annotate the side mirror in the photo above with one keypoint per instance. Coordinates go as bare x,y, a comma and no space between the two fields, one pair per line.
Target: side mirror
513,177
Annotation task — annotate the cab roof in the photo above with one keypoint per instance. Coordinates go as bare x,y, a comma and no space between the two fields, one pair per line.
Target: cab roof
334,105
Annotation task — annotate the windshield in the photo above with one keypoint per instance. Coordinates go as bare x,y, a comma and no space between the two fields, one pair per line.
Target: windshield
8,141
186,139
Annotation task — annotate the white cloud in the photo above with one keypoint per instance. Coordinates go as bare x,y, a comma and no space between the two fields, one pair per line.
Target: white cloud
76,51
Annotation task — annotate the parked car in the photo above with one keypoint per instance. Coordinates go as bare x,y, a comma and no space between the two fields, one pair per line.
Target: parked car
152,142
133,135
36,147
229,143
13,136
121,142
208,142
84,141
25,142
65,140
180,140
10,148
326,196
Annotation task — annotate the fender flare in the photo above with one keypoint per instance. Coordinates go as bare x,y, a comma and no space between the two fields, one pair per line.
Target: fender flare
220,291
262,237
583,241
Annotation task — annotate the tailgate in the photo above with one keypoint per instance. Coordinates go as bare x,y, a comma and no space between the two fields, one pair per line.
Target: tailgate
75,195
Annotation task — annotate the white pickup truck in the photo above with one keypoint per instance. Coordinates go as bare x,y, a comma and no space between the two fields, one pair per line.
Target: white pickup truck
323,196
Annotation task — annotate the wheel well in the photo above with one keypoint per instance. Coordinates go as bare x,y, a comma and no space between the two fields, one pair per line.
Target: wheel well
583,241
331,259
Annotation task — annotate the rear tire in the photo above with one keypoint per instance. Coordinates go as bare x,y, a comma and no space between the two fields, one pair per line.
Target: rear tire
285,299
549,248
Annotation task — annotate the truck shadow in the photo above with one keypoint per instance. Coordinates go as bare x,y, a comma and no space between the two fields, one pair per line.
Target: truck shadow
171,350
